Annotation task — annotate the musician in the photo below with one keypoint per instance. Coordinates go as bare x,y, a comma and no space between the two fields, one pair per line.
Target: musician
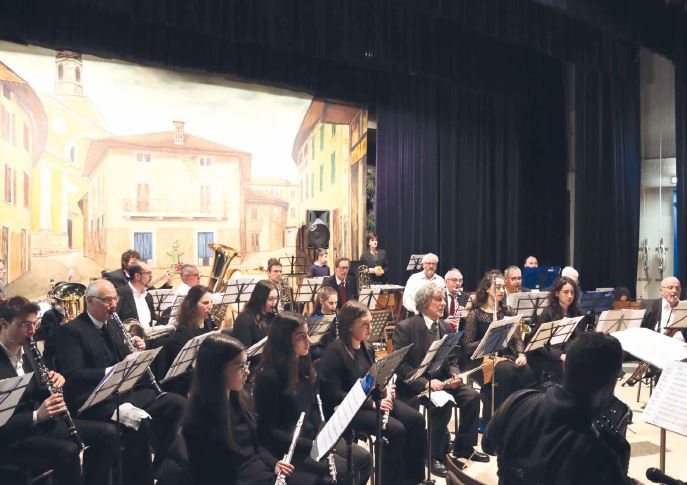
36,437
133,299
219,428
326,304
194,320
373,257
531,262
319,267
548,437
86,347
190,277
346,286
513,279
286,385
275,275
422,330
49,322
657,315
572,273
456,299
511,374
345,361
120,277
3,273
251,325
621,293
564,296
421,278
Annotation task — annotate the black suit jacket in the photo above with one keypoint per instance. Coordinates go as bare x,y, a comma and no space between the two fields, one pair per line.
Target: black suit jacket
117,277
413,330
126,306
653,315
351,287
83,355
462,299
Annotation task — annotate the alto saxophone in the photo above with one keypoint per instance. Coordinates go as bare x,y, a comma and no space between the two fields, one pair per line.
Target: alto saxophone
281,478
330,457
285,294
45,379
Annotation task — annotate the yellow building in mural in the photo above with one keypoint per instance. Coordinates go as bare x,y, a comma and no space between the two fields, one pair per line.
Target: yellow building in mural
23,126
286,191
265,222
59,183
148,191
331,168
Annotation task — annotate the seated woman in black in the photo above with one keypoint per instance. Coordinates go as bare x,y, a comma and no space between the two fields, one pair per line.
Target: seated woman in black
251,325
511,374
547,363
285,386
346,360
327,299
375,260
219,426
194,320
319,268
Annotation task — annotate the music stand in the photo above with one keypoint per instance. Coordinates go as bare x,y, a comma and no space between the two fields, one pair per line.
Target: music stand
320,328
293,265
541,337
530,303
307,290
619,320
379,320
415,263
238,291
369,297
256,348
678,316
563,329
596,301
184,360
11,391
162,297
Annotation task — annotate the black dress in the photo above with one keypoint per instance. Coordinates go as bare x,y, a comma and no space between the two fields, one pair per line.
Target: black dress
372,260
171,349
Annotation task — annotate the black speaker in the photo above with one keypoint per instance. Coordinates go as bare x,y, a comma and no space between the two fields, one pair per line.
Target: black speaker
318,229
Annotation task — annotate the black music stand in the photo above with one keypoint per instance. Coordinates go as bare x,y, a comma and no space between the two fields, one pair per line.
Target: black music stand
307,291
11,391
162,296
379,320
320,328
619,320
238,292
293,265
415,263
369,297
596,302
678,316
184,360
530,303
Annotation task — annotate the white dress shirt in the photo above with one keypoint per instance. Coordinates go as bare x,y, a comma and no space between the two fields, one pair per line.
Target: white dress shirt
415,282
142,310
17,360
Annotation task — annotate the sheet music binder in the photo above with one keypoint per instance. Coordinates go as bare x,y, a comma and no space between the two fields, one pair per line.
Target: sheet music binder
380,318
415,262
186,357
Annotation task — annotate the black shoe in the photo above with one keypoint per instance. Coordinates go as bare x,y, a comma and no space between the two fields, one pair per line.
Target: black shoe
472,455
437,468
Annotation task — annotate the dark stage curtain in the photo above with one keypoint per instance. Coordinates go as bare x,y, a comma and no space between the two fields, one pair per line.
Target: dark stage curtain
607,178
681,148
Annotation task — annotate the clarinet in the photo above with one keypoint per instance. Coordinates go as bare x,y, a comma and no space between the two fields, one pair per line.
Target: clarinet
281,478
130,344
45,379
330,457
385,416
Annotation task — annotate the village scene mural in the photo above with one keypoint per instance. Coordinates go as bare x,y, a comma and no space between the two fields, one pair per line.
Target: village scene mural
100,156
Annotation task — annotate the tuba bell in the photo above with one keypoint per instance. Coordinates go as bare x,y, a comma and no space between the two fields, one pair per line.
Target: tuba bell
220,265
69,296
363,277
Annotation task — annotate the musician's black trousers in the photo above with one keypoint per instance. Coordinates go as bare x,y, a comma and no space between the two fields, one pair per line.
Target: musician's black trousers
467,400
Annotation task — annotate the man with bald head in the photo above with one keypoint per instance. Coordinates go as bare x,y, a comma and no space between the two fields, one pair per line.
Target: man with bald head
420,279
87,347
656,316
531,262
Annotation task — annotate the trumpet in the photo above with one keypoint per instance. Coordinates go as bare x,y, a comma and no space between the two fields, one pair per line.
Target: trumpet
281,478
45,379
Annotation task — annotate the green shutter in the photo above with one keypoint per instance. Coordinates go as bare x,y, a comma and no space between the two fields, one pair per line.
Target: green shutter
321,137
332,167
321,177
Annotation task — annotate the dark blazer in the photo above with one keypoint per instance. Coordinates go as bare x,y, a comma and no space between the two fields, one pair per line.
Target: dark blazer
338,372
463,298
653,315
126,306
414,331
247,329
351,287
117,277
83,355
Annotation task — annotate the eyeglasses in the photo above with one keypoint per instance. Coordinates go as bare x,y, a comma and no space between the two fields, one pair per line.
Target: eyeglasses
194,275
27,323
670,287
108,300
457,280
272,298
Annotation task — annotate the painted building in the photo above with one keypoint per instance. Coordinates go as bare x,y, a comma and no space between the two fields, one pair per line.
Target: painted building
283,190
149,191
266,217
23,127
58,182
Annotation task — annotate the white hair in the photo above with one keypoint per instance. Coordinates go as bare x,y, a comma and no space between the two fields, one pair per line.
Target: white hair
570,272
426,258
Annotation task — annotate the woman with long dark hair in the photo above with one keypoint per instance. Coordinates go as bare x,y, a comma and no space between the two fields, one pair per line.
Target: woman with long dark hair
285,386
194,320
251,325
219,427
348,359
511,374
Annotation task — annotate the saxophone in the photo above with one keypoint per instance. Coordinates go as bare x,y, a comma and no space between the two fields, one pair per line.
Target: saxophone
285,294
45,379
281,478
364,280
330,457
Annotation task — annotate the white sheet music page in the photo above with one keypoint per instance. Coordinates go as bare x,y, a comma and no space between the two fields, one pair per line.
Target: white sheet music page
427,358
667,407
651,347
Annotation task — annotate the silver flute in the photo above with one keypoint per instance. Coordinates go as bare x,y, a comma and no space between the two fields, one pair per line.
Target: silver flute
281,478
44,376
130,344
330,457
385,416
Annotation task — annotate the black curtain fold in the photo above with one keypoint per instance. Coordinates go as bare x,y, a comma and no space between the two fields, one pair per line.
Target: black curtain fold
681,147
607,177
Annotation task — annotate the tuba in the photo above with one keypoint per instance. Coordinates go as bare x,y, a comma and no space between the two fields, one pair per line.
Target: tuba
363,277
220,265
69,296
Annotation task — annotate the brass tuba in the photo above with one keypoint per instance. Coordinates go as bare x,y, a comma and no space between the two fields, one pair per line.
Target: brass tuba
363,277
69,296
220,265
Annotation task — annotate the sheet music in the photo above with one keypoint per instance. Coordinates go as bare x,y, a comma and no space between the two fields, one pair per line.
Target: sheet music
619,320
525,302
651,347
678,316
564,329
11,391
667,407
541,337
388,287
442,398
186,356
428,358
369,297
342,417
497,337
415,262
320,327
256,348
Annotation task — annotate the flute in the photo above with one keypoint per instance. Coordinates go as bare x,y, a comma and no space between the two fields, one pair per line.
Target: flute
45,379
462,377
281,478
330,457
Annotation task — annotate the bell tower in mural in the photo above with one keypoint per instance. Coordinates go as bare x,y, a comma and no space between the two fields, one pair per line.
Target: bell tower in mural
68,73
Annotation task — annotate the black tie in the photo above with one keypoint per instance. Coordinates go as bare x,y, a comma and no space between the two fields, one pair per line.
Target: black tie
434,330
109,343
